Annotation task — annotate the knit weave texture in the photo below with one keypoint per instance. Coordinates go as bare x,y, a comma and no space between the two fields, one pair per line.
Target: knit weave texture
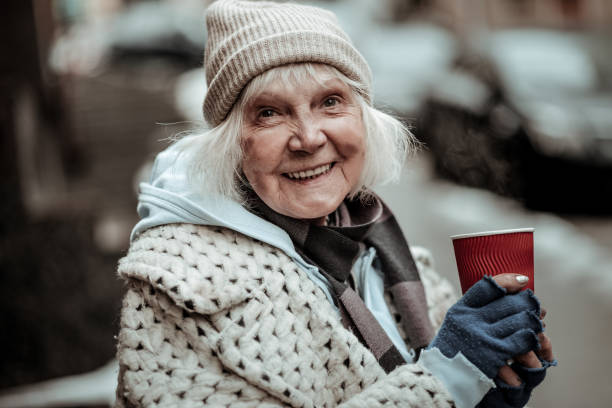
214,318
247,38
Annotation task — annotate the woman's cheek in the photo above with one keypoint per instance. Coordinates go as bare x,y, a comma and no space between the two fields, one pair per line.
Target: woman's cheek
261,157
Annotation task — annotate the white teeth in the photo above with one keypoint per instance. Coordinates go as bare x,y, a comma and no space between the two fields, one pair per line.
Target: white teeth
310,173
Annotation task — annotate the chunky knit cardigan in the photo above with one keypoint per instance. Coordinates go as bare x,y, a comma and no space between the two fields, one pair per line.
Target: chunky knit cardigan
214,318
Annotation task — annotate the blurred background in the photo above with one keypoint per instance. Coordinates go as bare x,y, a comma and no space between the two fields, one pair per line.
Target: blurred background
512,100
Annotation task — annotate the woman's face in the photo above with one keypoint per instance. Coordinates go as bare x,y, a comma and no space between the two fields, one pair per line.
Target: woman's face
304,146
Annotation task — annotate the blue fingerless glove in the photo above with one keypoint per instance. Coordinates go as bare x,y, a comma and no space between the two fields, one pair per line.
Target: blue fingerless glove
507,396
489,327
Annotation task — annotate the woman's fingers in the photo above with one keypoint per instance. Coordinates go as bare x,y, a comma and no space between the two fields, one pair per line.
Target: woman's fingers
507,375
510,325
483,292
512,282
529,360
516,303
545,352
491,288
510,377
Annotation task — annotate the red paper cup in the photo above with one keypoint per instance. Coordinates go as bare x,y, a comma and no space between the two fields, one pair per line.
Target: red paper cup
492,253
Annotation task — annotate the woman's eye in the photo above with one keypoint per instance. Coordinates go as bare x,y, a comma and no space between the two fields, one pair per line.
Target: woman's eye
329,102
266,113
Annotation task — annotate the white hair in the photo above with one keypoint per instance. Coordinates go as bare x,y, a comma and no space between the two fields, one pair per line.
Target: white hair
215,155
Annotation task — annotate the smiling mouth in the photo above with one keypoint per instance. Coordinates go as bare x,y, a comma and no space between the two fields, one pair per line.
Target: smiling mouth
310,174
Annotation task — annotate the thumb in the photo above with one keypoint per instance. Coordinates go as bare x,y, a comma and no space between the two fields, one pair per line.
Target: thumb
512,282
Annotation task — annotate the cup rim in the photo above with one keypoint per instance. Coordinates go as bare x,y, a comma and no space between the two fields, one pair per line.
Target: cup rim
494,232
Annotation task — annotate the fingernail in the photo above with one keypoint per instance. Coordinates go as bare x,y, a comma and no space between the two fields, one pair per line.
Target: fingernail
521,278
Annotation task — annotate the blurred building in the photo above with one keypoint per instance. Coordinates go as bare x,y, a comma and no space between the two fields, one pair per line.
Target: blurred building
465,15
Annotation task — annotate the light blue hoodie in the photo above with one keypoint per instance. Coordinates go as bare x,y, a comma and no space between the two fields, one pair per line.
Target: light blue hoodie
169,198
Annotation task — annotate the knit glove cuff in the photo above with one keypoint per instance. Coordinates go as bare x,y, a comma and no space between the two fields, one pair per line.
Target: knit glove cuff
490,326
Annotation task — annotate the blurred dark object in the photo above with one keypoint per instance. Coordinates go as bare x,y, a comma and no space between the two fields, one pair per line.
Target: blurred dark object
526,114
172,33
35,141
59,300
159,30
74,133
58,294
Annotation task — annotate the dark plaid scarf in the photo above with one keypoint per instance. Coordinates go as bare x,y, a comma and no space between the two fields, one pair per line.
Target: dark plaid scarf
333,248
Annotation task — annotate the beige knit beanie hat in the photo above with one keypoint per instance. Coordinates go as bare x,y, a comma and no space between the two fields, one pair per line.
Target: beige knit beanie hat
247,38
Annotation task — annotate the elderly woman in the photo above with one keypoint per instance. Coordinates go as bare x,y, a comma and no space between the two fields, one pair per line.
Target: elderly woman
264,271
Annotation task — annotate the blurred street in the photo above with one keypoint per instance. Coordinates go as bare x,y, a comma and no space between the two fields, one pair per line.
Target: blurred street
573,273
511,101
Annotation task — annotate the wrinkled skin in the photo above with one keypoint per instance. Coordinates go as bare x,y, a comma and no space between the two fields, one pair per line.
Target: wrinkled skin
290,128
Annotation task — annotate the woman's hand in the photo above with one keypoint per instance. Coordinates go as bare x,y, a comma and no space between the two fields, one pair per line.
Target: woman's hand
493,323
531,359
490,326
515,382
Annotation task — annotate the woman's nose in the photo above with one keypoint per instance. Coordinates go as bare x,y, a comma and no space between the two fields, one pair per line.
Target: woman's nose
308,137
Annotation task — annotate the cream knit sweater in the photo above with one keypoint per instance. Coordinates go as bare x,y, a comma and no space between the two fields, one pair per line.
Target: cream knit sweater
214,318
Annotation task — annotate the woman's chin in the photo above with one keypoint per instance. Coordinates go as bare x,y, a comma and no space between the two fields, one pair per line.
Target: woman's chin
314,199
314,211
